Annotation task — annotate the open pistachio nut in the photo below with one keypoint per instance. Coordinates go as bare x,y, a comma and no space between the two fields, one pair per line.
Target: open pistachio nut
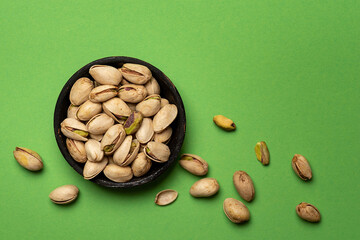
112,139
117,109
74,129
136,73
158,152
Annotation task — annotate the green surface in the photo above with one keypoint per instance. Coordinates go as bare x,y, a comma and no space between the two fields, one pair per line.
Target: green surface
287,72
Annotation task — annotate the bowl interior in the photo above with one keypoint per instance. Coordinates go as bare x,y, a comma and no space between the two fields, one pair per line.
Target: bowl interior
168,91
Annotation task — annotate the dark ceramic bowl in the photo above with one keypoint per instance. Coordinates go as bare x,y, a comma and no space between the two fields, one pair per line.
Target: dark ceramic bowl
168,91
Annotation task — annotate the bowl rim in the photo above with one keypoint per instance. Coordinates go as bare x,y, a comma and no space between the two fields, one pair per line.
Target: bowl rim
75,165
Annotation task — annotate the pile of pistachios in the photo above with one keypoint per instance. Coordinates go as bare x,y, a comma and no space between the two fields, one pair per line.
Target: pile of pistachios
118,124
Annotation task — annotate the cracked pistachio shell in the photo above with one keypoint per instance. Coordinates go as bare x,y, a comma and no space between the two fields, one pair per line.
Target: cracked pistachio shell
244,185
93,151
99,123
163,102
205,187
112,139
132,93
117,109
87,110
76,150
79,92
64,194
123,151
141,165
145,132
262,153
71,112
165,197
236,211
97,137
194,164
92,169
118,174
103,93
133,123
136,73
158,152
152,87
134,150
224,123
164,117
308,212
105,75
163,136
74,129
149,106
27,158
301,167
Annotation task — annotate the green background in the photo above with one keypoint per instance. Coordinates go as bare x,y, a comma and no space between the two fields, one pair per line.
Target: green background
287,72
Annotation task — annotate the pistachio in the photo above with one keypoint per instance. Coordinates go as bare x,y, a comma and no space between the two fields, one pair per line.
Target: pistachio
117,109
194,164
92,169
236,211
165,197
163,136
163,102
123,151
71,112
141,165
93,151
112,139
27,158
87,110
79,92
152,86
74,129
133,123
132,93
205,187
145,132
118,174
262,153
64,194
136,73
103,93
158,152
97,137
105,74
244,185
149,106
164,117
308,212
134,150
99,123
224,123
301,167
76,150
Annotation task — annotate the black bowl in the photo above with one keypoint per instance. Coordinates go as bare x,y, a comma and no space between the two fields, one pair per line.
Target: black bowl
168,91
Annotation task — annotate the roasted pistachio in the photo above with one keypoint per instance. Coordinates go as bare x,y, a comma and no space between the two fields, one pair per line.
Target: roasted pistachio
117,109
74,129
158,152
224,123
64,194
118,174
308,212
103,93
93,151
236,211
149,106
244,185
123,150
132,93
141,165
27,158
301,167
262,153
152,86
205,187
112,139
79,92
165,197
133,123
164,117
92,169
105,74
76,150
99,123
87,110
71,112
146,131
194,164
163,136
136,73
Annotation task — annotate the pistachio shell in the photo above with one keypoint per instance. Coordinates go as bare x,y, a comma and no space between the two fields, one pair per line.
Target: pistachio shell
117,109
149,106
301,167
79,92
122,152
64,194
118,174
163,102
92,169
74,129
97,137
164,117
71,112
136,73
133,123
105,74
205,187
132,93
134,150
103,93
99,123
112,139
157,152
76,150
308,212
87,110
27,158
141,165
166,197
163,136
194,164
152,86
244,185
93,151
145,132
236,211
